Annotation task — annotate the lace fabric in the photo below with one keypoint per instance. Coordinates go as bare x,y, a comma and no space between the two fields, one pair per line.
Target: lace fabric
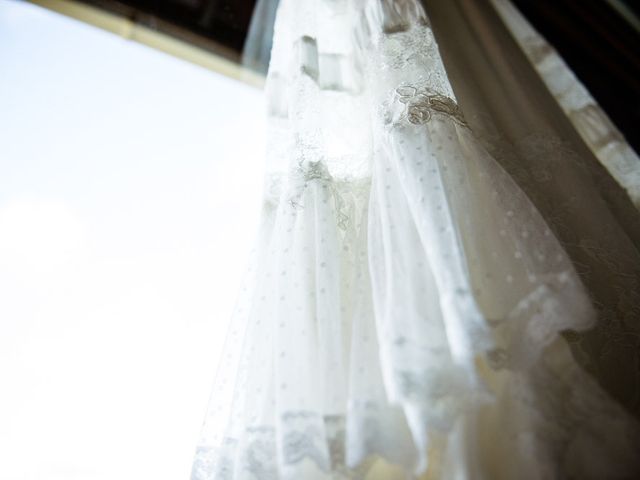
406,298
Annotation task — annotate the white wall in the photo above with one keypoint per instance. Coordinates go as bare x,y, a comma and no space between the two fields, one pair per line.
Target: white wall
129,194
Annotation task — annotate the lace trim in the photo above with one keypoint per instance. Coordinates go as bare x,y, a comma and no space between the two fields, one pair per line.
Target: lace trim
306,435
338,190
421,104
323,440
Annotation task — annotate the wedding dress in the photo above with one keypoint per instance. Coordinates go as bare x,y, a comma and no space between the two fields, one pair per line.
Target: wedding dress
404,311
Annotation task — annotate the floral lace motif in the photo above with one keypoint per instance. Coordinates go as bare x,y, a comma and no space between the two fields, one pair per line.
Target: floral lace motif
338,190
421,104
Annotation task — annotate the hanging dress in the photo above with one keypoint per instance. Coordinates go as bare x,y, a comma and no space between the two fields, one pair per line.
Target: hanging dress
412,306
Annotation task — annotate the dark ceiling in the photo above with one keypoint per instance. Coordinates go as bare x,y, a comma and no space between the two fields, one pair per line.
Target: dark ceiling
602,49
596,41
217,25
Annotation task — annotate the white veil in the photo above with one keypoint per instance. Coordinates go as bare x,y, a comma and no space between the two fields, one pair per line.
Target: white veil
256,52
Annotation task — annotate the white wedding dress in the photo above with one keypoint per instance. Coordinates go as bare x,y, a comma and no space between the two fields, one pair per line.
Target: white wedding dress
403,311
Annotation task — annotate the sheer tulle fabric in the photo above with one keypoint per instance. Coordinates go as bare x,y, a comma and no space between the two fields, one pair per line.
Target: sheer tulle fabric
401,316
518,120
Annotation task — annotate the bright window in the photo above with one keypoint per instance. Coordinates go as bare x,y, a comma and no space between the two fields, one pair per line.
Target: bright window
129,195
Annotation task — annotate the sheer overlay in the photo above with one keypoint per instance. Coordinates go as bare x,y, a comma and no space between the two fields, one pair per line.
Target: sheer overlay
401,317
518,119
